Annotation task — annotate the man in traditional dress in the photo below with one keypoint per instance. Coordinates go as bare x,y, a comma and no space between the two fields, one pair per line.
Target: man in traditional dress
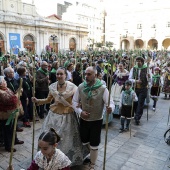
166,86
88,102
140,75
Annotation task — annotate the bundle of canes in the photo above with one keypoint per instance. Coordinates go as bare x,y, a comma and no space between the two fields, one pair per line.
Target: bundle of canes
107,115
15,125
34,106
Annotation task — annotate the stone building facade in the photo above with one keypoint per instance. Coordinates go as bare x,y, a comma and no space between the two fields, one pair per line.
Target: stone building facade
22,28
139,24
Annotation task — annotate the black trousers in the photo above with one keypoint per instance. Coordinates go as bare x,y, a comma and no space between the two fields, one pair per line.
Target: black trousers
7,133
90,131
30,109
25,108
138,106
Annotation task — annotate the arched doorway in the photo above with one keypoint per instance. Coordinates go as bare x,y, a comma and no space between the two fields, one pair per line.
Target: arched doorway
2,48
29,43
166,43
139,44
125,44
53,43
153,44
72,44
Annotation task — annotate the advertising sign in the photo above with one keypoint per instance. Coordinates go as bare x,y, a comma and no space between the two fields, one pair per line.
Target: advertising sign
15,44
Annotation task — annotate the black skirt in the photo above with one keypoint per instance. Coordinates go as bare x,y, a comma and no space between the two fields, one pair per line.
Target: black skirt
126,111
155,91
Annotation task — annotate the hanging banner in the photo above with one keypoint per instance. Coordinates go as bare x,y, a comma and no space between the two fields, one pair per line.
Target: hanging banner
15,44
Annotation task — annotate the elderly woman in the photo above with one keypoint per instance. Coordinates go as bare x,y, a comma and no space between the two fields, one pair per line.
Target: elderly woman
62,118
8,104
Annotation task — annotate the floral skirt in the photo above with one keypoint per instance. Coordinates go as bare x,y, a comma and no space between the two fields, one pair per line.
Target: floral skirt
166,86
67,127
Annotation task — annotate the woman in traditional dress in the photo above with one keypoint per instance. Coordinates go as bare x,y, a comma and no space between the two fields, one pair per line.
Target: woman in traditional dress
120,76
155,86
166,86
62,117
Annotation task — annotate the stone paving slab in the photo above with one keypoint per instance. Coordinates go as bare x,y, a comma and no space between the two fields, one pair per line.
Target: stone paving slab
145,149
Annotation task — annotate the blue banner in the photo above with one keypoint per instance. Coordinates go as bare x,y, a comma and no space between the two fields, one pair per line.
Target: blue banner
14,41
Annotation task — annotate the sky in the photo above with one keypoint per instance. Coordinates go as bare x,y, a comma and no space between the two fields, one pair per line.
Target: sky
49,7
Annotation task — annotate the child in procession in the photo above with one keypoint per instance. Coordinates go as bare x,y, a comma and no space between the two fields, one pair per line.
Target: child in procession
128,96
49,157
155,86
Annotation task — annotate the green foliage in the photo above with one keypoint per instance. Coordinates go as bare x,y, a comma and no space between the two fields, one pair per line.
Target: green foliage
109,44
98,44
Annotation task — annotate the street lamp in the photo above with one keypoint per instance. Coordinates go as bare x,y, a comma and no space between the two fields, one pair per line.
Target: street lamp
53,37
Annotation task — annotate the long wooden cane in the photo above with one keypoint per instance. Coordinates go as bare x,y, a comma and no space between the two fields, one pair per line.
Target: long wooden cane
168,116
107,116
34,106
15,125
132,109
147,85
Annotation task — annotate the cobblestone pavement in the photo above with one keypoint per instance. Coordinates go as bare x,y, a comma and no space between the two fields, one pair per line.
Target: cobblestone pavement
145,149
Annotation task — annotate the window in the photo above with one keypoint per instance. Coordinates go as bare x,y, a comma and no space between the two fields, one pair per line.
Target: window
168,24
139,26
153,26
28,38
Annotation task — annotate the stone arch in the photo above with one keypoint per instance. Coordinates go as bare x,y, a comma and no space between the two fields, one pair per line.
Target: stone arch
152,44
166,43
29,42
72,44
53,43
139,44
125,44
2,44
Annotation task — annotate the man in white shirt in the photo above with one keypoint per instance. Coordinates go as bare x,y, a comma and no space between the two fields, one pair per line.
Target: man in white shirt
88,102
140,75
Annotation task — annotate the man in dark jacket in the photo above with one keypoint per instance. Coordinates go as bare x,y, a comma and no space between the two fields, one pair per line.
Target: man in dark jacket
42,84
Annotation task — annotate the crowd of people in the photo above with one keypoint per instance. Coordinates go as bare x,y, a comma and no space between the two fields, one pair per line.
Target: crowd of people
72,95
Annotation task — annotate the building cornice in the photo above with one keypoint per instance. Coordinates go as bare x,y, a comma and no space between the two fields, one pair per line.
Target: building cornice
41,22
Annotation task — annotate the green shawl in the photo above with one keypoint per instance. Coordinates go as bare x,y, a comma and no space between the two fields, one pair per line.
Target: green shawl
42,71
89,89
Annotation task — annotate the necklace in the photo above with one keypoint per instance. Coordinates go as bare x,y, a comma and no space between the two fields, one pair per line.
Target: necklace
61,84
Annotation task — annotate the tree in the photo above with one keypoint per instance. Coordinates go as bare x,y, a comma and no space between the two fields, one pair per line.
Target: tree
98,44
109,44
